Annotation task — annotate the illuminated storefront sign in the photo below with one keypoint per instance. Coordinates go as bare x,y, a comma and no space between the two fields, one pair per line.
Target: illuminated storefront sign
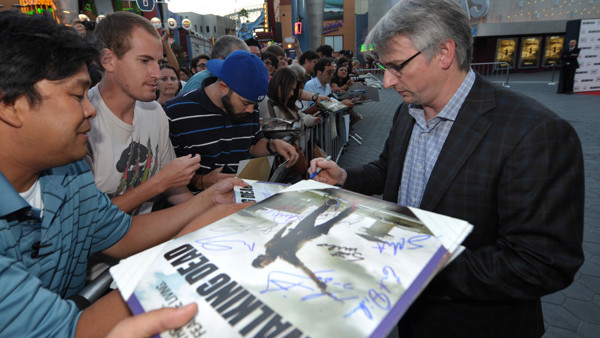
38,7
332,27
145,5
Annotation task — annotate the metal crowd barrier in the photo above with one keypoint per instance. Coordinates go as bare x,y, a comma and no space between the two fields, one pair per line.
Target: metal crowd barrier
496,72
362,71
330,135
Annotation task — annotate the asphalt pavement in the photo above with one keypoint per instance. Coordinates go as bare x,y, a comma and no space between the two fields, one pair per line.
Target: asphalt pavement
574,311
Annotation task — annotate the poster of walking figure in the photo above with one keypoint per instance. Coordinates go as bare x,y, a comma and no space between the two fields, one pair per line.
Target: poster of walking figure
530,52
505,52
554,46
318,262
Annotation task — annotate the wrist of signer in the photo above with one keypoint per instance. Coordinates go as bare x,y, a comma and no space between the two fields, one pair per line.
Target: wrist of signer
342,178
270,144
198,182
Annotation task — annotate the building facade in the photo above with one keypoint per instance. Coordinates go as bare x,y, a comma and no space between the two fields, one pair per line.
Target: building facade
526,34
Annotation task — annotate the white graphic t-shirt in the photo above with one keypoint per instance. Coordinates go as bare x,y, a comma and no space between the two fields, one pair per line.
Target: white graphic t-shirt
122,156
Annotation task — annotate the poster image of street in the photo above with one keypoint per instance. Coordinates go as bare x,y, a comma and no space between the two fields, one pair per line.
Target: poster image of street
505,52
530,52
319,263
554,46
334,10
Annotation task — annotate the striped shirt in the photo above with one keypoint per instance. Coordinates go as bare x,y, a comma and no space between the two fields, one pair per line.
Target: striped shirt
198,126
43,259
426,142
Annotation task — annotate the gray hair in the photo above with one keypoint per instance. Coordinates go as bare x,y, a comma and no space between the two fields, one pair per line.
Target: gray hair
299,70
426,24
227,44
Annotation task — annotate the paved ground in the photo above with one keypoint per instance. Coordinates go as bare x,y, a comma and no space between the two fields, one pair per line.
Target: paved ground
575,311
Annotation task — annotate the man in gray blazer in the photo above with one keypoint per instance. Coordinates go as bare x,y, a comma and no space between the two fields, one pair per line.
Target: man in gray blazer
462,147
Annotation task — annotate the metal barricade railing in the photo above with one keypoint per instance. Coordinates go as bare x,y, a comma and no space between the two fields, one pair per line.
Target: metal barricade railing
554,67
362,71
496,72
329,135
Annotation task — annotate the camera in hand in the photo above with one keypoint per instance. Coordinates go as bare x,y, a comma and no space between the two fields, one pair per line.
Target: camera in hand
89,25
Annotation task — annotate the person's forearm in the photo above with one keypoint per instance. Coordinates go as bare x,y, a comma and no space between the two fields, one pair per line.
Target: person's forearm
171,58
156,227
98,319
260,148
210,216
178,195
138,195
306,96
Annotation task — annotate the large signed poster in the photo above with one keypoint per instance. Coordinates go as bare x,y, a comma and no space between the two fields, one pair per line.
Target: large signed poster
319,263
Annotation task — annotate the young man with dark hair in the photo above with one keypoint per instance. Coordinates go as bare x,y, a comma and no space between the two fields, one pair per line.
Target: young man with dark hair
271,62
325,51
308,60
198,63
324,69
279,53
254,46
52,216
321,83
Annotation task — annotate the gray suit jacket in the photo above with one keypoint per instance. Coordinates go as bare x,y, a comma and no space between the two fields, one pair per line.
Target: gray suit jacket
514,170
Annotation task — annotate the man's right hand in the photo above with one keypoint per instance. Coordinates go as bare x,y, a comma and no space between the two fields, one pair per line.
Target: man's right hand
214,176
178,172
330,172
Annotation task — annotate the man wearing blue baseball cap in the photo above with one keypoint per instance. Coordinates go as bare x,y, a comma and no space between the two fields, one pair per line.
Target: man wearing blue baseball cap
219,121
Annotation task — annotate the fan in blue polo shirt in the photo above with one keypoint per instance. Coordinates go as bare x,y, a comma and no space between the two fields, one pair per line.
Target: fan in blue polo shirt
52,216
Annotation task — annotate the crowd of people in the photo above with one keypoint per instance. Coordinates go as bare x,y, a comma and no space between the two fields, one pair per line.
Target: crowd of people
141,156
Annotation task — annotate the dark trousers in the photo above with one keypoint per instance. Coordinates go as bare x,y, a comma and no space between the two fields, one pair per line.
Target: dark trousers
567,76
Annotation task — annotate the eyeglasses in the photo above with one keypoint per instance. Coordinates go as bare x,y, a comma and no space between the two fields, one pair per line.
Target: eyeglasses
396,70
201,65
329,71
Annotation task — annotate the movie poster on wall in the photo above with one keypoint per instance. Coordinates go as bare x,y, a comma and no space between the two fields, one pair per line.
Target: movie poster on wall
530,52
554,45
587,77
505,52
